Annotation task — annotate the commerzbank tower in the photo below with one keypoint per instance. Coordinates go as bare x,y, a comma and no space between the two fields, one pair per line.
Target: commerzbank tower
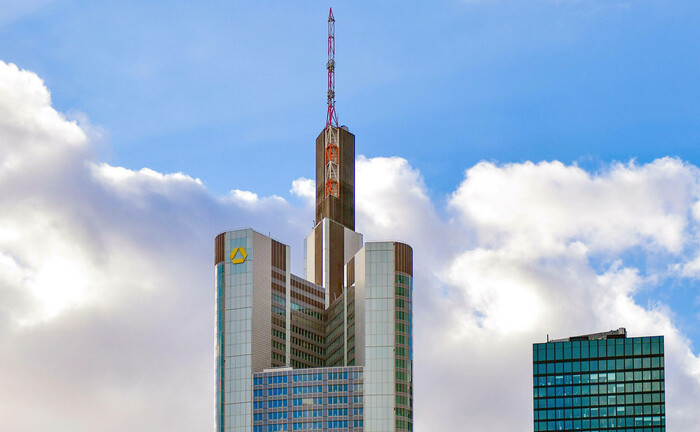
331,350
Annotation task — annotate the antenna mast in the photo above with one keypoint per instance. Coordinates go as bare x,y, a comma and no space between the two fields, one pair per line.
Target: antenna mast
331,118
332,135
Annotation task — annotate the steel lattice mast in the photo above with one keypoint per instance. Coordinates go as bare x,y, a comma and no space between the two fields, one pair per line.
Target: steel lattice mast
332,150
331,118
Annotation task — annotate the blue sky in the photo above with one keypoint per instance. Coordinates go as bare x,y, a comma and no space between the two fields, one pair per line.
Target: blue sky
540,156
220,86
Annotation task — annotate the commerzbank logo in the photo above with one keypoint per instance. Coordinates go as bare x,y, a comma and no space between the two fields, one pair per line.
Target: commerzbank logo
238,255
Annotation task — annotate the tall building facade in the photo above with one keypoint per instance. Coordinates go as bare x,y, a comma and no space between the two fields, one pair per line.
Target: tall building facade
599,382
331,350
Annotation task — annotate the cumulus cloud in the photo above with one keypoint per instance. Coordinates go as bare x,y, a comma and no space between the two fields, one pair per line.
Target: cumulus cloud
105,278
305,189
391,197
541,233
106,275
548,204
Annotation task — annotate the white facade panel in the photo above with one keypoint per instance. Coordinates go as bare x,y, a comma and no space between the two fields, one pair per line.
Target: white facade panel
310,256
352,242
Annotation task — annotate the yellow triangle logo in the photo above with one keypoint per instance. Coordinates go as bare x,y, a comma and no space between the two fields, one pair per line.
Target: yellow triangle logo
238,255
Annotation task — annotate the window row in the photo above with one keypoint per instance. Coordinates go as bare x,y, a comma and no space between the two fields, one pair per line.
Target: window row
404,424
307,413
404,412
278,379
595,389
280,415
400,279
402,315
338,412
334,376
614,411
595,378
309,401
306,311
307,357
314,336
282,391
307,426
598,348
586,401
307,389
402,328
276,403
402,291
279,299
308,377
629,422
402,339
331,400
270,428
598,365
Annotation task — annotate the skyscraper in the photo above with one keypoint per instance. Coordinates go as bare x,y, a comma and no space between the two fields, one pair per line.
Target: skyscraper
328,351
599,382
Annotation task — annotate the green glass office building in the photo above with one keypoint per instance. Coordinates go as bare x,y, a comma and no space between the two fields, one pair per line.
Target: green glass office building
599,382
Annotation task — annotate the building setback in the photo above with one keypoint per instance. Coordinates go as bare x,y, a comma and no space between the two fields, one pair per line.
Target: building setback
599,382
331,350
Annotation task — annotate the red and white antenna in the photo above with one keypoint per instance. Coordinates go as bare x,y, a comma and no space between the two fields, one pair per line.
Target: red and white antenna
332,150
331,118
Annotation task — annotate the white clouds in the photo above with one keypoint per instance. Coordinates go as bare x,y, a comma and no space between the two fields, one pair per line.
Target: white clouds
392,200
541,228
143,178
305,189
549,204
105,303
531,250
29,126
497,287
106,272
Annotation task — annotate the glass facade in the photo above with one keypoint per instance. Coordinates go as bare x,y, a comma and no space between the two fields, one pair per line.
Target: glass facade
234,309
607,384
388,339
284,362
220,332
403,352
379,336
308,399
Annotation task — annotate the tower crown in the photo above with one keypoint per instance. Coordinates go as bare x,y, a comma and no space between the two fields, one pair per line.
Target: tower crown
335,156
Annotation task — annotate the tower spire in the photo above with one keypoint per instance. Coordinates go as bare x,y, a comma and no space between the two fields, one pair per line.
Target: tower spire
331,118
332,151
